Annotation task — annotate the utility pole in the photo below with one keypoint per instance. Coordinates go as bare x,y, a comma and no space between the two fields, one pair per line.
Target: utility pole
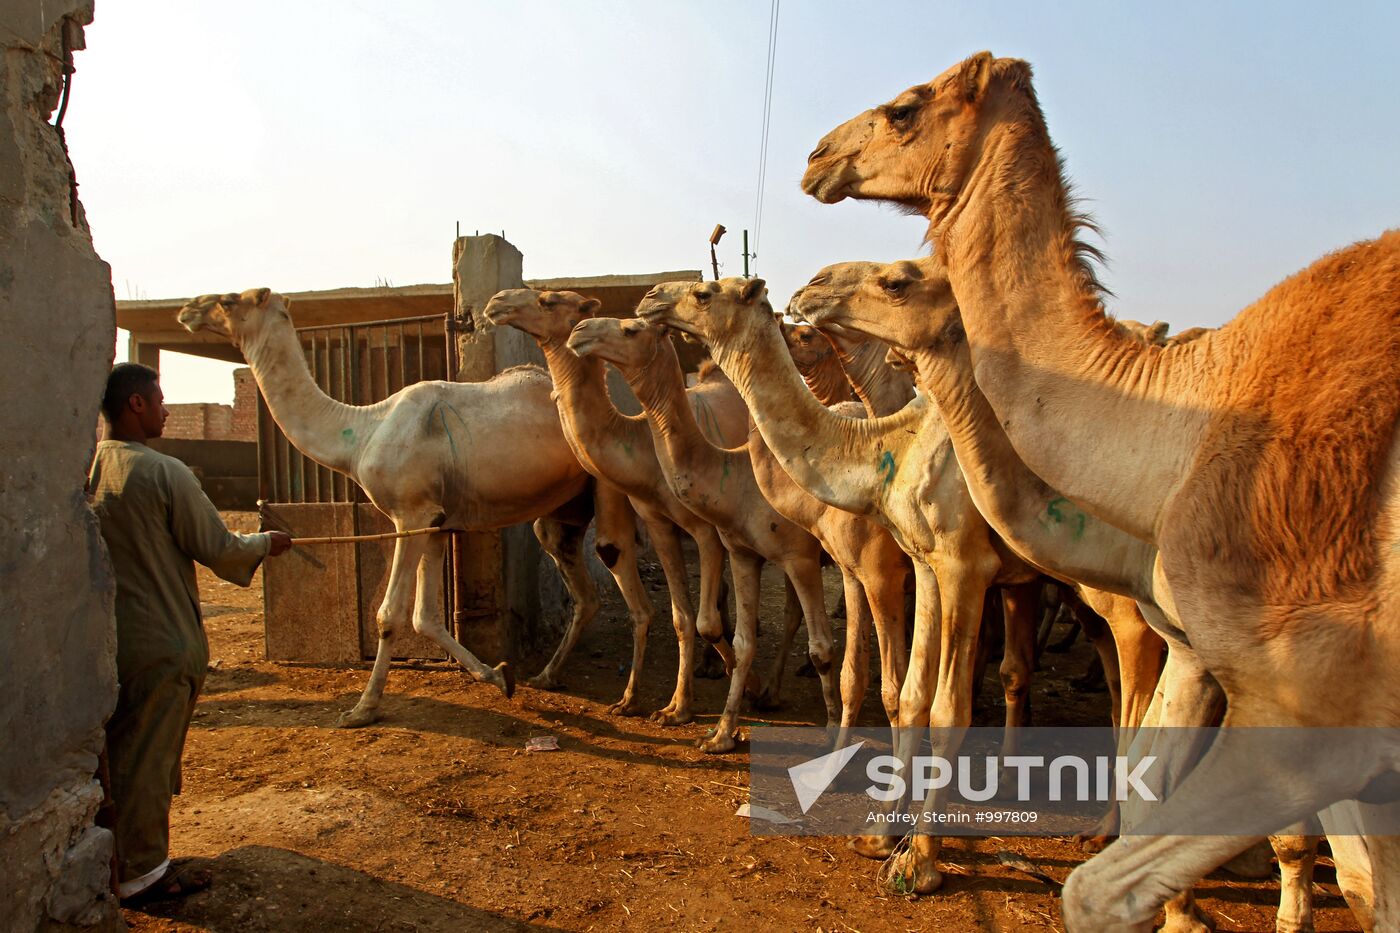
718,232
747,255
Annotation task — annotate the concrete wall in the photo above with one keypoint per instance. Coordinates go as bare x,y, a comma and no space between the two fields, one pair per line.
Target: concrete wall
57,666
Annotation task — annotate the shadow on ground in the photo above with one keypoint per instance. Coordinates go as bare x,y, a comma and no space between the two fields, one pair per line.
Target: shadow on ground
258,888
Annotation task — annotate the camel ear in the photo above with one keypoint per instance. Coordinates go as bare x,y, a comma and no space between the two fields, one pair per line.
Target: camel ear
263,295
974,76
752,291
590,307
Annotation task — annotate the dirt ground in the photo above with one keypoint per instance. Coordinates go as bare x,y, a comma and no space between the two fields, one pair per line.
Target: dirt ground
436,818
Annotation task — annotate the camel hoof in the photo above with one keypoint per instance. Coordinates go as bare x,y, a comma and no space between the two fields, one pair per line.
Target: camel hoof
625,708
766,699
545,682
507,679
355,718
711,666
717,744
671,716
873,847
908,877
1194,922
1093,845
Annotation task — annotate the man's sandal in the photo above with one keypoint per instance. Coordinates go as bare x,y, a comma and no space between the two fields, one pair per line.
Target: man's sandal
181,879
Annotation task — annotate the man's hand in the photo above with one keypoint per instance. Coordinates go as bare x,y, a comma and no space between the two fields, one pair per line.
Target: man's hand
281,542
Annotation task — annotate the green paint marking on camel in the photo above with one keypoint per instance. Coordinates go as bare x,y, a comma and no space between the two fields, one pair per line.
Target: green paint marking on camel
705,417
348,435
1059,510
441,409
887,467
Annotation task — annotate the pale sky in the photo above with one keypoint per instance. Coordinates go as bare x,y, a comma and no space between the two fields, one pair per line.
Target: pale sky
307,145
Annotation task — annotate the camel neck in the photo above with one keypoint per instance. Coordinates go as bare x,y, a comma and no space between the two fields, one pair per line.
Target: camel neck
1036,521
835,458
608,443
881,388
1067,387
327,431
826,381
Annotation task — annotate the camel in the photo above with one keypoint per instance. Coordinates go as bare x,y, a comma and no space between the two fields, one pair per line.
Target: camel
1247,456
816,360
427,456
721,485
882,387
910,306
899,469
617,449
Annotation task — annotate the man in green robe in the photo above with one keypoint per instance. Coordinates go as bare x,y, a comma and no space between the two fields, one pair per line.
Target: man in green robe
156,522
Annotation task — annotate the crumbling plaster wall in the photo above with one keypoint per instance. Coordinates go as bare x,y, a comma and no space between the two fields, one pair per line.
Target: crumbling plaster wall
57,335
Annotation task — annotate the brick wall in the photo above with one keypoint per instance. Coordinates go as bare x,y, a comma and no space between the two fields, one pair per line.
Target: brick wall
244,426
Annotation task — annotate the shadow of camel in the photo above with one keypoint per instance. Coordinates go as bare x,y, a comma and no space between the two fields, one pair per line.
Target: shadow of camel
260,888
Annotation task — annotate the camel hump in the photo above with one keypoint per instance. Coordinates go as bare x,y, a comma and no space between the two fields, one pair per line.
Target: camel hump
1316,405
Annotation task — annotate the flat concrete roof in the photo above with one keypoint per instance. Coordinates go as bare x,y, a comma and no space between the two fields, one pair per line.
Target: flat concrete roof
153,323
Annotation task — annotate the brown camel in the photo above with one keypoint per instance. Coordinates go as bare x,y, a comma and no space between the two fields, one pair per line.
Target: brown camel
617,449
422,456
910,306
1245,455
719,485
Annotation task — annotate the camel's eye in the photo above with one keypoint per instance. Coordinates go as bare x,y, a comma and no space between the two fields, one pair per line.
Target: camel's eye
902,114
894,286
702,295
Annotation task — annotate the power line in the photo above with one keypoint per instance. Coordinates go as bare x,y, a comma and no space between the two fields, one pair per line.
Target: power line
767,120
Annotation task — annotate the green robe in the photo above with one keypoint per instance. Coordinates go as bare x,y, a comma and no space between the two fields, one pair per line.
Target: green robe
157,521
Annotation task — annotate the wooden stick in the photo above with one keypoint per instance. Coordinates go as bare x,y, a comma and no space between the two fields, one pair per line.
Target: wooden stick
350,539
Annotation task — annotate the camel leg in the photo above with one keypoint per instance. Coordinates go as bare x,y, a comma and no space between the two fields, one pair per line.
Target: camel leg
1121,889
393,613
1101,637
665,540
806,577
713,612
1296,857
427,619
885,597
855,665
746,569
916,694
1352,857
615,540
769,696
1018,608
563,542
962,590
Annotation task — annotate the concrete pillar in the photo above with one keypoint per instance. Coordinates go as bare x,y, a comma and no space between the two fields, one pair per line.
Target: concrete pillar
498,576
58,662
147,354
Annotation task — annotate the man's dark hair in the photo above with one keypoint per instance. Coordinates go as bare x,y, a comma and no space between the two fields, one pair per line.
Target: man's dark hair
126,380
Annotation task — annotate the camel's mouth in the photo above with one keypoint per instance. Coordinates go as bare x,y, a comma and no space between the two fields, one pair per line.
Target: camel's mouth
581,344
826,181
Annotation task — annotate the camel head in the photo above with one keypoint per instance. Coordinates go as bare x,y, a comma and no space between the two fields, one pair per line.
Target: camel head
896,360
547,316
808,346
919,149
708,311
908,304
627,343
233,316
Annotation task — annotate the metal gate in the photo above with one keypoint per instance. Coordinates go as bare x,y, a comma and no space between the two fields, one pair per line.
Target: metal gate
320,601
